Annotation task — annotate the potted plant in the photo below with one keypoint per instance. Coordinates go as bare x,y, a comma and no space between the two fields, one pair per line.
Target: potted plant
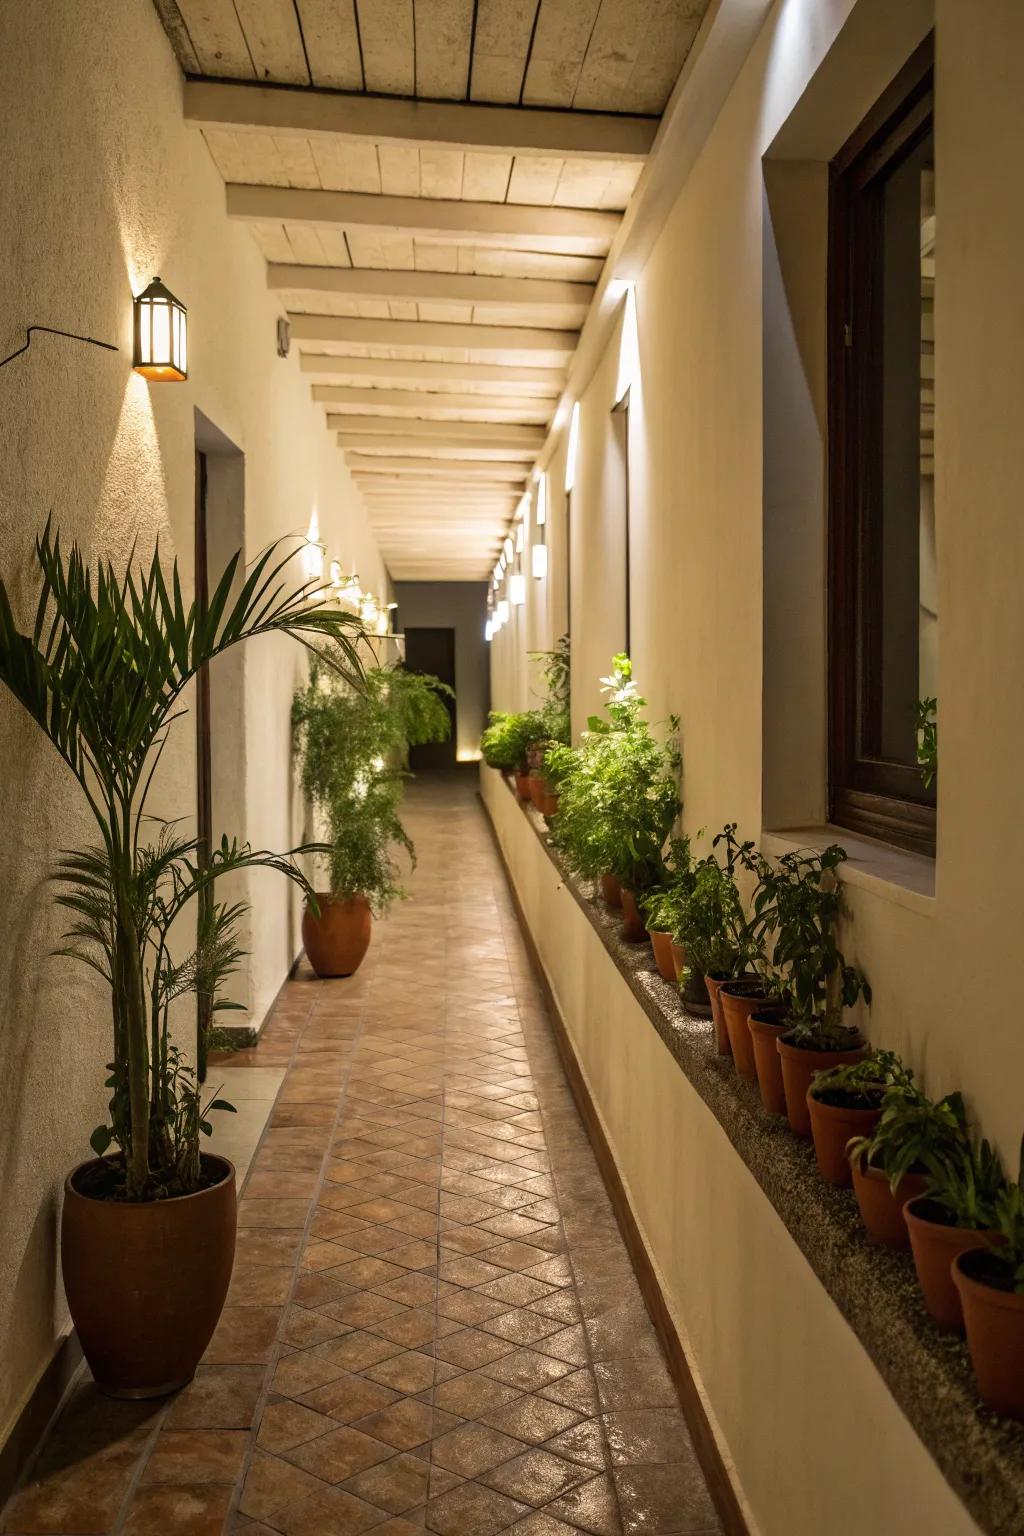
845,1102
990,1281
740,990
506,744
348,741
662,905
148,1226
555,713
911,1143
710,917
956,1213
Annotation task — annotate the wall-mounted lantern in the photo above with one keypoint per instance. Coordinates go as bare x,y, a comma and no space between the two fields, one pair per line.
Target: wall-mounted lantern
161,335
502,610
517,588
539,560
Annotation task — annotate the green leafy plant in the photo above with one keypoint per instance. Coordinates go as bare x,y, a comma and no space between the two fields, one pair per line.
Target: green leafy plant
970,1188
1006,1253
926,724
508,737
663,905
915,1134
862,1084
102,672
618,790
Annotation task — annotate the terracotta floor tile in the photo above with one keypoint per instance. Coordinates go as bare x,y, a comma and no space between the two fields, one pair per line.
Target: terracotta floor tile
397,1485
473,1449
516,1290
531,1418
338,1454
472,1395
404,1425
259,1285
356,1351
592,1506
671,1497
647,1435
472,1510
285,1424
254,1212
527,1370
182,1509
196,1456
219,1397
471,1307
328,1512
413,1327
244,1336
348,1398
584,1442
577,1390
409,1372
304,1327
536,1477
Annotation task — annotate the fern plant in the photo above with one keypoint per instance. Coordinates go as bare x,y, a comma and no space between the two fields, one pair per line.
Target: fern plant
102,671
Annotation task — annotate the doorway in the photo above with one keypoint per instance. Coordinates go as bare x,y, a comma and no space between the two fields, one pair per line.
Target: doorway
433,651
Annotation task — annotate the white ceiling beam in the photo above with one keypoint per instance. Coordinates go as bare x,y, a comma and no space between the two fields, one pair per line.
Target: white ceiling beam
347,330
372,466
437,124
551,229
496,434
422,402
444,287
548,381
454,443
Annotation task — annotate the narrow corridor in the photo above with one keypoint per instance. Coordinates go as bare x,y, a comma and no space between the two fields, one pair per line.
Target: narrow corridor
433,1321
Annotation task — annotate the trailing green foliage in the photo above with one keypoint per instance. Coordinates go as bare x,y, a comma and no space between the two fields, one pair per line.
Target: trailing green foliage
927,727
351,743
102,672
507,739
618,790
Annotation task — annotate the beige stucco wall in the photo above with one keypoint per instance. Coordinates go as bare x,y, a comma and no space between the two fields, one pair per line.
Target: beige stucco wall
102,187
730,308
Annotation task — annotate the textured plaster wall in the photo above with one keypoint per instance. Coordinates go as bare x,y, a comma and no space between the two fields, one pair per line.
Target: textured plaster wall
727,460
101,187
458,605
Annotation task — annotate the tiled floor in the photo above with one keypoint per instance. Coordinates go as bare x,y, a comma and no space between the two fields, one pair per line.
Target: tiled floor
433,1322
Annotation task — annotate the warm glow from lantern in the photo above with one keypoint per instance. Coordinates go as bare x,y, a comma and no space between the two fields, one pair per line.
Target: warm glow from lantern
503,610
629,349
488,630
161,335
508,550
517,589
539,560
313,550
520,537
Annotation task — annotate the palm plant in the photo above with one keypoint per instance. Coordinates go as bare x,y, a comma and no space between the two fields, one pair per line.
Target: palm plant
102,673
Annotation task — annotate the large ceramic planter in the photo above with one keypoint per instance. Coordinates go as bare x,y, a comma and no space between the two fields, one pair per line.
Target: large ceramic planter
146,1282
611,890
739,999
765,1028
522,785
661,943
833,1126
714,985
994,1320
337,940
881,1209
935,1245
633,930
799,1066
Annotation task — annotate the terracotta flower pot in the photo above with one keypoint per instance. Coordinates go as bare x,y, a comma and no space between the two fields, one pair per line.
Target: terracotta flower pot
832,1126
739,999
661,943
633,930
537,790
611,890
337,940
146,1282
550,806
765,1028
695,994
714,985
679,958
935,1244
882,1211
522,785
798,1068
994,1320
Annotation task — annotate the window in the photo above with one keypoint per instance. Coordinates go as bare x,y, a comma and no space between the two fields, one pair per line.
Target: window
882,604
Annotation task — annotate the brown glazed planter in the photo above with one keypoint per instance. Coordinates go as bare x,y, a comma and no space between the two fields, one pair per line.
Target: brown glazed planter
935,1245
611,890
537,790
994,1321
882,1211
522,785
738,1002
146,1282
337,940
832,1126
714,985
798,1068
661,943
633,930
765,1028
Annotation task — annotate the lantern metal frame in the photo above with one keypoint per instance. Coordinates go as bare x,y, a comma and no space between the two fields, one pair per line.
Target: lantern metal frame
169,365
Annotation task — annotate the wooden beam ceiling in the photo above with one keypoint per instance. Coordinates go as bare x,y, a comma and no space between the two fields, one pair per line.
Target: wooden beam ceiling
343,330
443,287
416,373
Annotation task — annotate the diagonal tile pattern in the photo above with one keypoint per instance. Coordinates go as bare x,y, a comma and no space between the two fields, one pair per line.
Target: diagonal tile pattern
433,1323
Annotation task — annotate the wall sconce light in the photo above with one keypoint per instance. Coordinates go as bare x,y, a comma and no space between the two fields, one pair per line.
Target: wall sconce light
313,550
488,631
284,336
369,609
503,610
574,447
161,335
508,550
520,537
539,560
517,589
542,499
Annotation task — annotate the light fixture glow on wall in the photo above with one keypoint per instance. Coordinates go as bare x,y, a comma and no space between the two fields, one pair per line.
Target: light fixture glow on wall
488,630
520,537
503,610
629,349
313,550
517,589
508,550
539,560
573,448
369,610
161,335
542,499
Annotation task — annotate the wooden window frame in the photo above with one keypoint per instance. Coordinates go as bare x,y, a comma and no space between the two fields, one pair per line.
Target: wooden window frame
866,794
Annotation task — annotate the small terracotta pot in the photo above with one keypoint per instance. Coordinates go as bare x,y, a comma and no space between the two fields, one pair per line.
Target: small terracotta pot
739,999
633,930
550,806
337,940
522,785
994,1320
714,985
146,1282
935,1245
765,1028
678,958
611,890
537,790
695,994
661,943
832,1126
882,1211
799,1066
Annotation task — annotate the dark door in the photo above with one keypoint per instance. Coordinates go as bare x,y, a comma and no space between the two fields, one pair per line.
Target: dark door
204,778
433,651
